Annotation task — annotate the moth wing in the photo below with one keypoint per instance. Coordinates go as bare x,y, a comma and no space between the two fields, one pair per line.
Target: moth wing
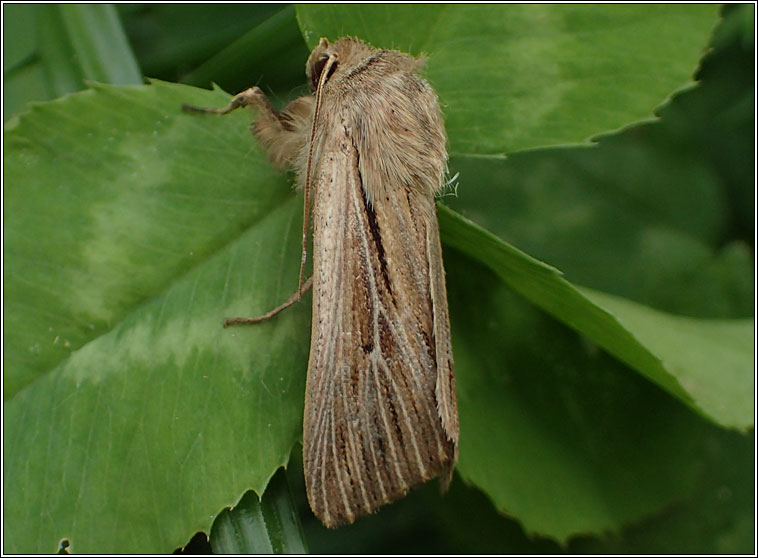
447,401
380,414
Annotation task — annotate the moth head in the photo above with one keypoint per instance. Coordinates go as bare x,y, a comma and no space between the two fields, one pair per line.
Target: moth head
316,62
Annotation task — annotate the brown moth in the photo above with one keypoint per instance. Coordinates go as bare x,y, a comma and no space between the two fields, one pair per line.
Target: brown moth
380,403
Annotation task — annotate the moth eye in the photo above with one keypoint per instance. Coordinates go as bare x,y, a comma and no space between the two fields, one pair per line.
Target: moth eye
318,68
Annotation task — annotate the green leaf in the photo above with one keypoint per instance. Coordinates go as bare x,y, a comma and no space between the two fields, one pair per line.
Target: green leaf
717,518
268,525
234,45
55,49
678,354
273,51
131,230
553,430
711,359
514,77
23,75
120,219
149,380
643,215
125,249
170,36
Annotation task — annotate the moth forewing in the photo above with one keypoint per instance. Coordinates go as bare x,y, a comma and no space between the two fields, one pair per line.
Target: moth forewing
380,413
380,405
447,401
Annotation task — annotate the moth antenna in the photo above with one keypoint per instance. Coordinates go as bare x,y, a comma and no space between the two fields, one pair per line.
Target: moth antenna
307,189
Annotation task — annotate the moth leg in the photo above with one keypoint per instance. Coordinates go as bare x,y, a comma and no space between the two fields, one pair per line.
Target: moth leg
271,313
283,135
271,127
252,96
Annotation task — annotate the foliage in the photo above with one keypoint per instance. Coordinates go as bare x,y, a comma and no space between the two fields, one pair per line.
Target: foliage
605,407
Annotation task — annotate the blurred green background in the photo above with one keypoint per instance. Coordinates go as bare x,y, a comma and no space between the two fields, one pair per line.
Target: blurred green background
705,134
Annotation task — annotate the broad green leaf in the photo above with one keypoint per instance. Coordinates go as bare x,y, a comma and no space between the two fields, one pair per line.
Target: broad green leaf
122,199
641,216
149,382
56,48
132,230
711,359
553,430
145,433
678,354
514,77
130,233
718,518
268,525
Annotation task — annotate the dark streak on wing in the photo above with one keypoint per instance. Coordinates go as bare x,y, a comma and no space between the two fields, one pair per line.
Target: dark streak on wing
374,228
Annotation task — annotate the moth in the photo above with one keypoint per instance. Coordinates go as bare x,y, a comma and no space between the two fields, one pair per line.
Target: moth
380,404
